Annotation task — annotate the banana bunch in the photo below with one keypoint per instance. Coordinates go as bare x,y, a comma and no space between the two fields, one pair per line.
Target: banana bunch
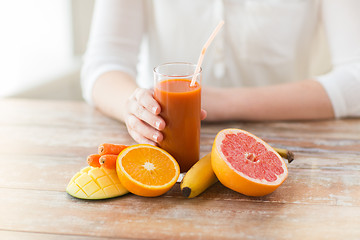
201,176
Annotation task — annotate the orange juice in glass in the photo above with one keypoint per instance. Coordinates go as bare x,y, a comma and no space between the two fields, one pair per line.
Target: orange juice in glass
180,108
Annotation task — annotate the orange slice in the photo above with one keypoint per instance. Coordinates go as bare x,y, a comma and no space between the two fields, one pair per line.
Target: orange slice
247,164
146,170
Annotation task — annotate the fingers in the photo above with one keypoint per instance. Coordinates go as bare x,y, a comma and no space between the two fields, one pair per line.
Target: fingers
142,132
143,114
145,98
142,121
146,108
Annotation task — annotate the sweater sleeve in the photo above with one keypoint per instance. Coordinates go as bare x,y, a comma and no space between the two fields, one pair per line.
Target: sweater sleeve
342,84
114,42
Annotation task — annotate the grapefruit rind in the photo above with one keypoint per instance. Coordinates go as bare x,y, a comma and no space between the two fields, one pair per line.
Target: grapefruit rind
95,183
239,181
279,179
140,188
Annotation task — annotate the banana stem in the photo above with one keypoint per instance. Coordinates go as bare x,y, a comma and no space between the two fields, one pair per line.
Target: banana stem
289,155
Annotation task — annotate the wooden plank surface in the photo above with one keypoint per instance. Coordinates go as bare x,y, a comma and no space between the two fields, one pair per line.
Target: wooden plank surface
43,143
18,235
136,217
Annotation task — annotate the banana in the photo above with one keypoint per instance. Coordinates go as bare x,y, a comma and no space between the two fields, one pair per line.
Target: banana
201,176
285,154
198,178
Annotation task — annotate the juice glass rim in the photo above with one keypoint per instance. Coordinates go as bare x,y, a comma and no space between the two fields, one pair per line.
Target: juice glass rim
177,76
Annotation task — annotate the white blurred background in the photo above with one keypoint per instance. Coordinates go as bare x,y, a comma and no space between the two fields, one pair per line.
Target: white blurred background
41,47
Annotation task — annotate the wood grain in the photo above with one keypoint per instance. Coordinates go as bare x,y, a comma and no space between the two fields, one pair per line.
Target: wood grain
17,235
137,217
43,143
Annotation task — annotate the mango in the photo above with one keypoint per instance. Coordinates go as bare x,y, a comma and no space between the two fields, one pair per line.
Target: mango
95,183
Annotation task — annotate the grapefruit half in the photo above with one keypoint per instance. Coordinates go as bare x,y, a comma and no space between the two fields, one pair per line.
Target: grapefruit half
247,164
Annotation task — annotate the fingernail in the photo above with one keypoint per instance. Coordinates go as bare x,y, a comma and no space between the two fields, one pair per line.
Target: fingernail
158,124
154,109
155,137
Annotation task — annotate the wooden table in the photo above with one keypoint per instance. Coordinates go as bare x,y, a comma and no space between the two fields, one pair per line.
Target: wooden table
43,143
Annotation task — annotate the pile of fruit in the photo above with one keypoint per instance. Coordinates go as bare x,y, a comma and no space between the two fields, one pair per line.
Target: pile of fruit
239,160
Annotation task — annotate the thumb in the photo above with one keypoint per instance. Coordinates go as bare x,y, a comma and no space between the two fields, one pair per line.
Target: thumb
203,114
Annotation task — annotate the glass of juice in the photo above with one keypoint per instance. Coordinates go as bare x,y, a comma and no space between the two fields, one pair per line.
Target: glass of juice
180,108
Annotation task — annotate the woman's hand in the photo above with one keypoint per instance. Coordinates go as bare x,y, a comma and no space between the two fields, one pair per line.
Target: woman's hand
142,117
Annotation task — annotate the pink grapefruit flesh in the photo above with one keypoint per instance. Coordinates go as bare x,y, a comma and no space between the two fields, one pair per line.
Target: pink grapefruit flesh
247,164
